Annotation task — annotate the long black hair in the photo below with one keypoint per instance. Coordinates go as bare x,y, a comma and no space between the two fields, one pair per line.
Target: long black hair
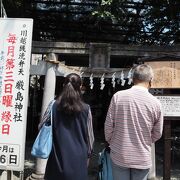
70,101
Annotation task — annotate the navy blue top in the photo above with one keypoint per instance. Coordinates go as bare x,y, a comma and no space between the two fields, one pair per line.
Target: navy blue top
68,158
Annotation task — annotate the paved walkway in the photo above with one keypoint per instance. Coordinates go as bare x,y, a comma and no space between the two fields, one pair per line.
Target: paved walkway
93,167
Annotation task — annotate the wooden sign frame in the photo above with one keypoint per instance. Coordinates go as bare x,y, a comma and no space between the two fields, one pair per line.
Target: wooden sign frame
166,74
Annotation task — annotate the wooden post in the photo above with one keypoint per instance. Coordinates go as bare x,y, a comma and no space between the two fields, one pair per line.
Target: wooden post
167,150
152,171
48,95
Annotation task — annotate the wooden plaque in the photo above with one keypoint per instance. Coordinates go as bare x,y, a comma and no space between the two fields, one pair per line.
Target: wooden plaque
166,74
99,56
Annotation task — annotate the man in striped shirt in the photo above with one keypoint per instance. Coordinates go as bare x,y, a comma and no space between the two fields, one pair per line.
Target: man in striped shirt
134,121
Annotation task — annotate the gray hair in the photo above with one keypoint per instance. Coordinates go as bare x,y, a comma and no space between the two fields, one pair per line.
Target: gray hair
143,73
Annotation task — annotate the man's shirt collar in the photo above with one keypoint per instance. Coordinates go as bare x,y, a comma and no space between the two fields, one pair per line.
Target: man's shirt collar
139,87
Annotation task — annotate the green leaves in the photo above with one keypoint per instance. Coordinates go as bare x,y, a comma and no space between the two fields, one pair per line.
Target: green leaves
106,2
124,21
142,21
103,11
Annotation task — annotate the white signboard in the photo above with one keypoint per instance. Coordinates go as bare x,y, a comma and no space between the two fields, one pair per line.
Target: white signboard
170,105
15,53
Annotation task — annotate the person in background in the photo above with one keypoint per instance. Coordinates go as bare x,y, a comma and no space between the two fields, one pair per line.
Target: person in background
72,134
134,121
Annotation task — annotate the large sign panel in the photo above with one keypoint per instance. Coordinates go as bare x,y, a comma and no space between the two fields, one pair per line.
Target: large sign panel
166,74
170,105
15,53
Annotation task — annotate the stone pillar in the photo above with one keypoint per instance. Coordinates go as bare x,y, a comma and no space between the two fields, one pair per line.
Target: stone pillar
48,95
152,172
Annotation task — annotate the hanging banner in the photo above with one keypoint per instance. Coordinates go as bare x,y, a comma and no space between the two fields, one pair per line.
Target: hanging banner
15,53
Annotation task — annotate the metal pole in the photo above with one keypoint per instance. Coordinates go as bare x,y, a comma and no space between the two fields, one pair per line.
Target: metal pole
1,9
9,174
21,176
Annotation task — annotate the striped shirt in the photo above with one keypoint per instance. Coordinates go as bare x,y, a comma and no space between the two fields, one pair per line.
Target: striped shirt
134,121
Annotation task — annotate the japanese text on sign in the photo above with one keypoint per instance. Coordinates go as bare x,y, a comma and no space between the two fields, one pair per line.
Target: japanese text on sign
166,74
170,105
9,154
15,53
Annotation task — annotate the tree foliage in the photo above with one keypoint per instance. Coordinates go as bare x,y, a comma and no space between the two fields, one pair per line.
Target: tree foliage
146,21
122,21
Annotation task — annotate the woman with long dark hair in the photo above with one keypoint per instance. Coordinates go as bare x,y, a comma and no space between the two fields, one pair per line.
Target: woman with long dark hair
72,134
